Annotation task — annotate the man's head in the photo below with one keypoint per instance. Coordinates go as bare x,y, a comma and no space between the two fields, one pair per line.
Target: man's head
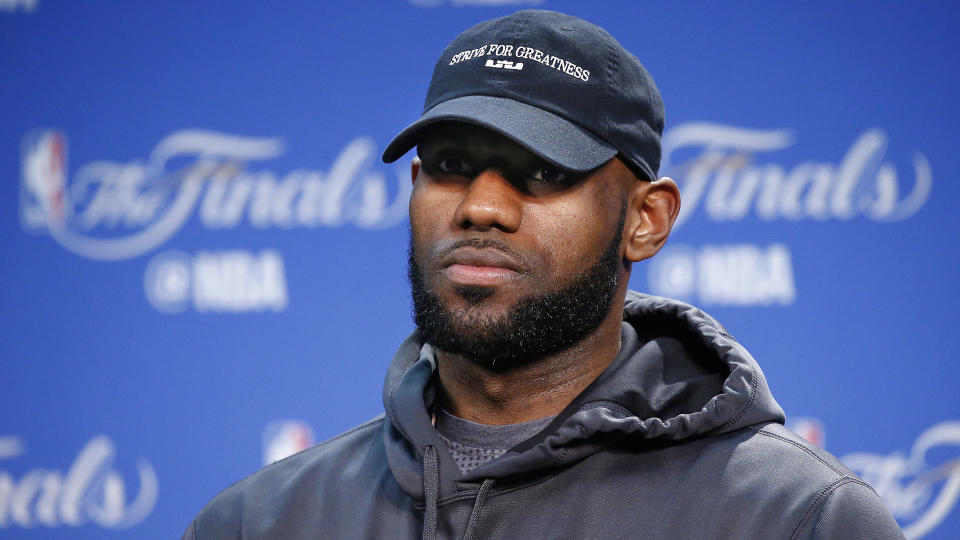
533,194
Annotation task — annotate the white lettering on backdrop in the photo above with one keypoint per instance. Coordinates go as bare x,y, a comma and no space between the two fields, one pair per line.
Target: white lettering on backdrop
713,165
91,490
232,281
920,488
725,275
116,210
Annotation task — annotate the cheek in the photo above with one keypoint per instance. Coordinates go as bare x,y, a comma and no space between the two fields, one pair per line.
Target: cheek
430,214
572,235
423,208
418,224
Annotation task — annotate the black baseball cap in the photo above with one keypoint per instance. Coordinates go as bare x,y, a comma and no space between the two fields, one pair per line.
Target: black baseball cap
559,86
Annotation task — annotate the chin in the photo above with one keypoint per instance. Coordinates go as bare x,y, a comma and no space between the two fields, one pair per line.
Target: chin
474,295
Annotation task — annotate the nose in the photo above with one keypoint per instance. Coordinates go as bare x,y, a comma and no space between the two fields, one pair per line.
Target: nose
490,201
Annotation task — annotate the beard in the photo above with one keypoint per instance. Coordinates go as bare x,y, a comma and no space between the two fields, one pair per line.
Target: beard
536,326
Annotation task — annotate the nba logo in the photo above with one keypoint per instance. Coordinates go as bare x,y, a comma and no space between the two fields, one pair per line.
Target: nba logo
283,438
43,185
810,429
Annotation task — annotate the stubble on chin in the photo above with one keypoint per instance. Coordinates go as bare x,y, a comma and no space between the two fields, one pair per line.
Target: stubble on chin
475,296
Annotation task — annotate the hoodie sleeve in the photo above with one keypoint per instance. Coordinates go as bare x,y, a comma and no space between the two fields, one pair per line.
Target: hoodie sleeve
850,510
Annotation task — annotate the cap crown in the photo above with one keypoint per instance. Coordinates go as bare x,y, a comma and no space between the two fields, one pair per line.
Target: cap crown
561,64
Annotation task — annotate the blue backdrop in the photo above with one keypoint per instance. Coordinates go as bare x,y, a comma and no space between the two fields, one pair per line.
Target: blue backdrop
204,260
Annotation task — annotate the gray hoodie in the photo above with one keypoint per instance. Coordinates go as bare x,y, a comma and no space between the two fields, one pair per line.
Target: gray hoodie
678,438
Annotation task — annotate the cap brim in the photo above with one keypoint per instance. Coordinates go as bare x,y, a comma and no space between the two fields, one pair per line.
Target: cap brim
555,139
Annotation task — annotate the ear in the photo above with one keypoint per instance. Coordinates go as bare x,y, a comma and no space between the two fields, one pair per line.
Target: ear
654,207
414,168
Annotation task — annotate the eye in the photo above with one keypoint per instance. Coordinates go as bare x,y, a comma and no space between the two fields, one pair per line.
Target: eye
453,166
549,175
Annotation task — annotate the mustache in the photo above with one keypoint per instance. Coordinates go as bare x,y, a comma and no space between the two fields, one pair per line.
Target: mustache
442,249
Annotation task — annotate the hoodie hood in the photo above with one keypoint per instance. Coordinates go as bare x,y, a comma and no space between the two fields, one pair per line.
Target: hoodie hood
678,376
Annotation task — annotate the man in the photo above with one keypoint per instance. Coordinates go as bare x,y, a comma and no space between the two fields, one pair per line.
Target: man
538,397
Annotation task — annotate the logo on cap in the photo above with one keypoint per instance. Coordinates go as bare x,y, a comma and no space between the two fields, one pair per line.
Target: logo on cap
505,64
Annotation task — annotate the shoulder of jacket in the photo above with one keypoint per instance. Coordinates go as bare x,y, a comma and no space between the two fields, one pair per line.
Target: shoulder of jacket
223,513
821,461
847,508
839,504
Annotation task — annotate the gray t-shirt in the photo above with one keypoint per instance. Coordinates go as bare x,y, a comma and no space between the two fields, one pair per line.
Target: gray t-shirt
472,444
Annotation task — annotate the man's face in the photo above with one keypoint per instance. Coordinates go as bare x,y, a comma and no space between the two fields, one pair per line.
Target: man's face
510,258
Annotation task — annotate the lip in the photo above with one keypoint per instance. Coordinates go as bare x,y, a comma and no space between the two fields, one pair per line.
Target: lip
480,267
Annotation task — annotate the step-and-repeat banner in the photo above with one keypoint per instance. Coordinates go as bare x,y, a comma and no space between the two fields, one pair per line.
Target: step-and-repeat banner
203,259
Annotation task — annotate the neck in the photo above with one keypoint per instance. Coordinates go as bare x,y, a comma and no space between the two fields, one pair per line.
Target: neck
536,389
